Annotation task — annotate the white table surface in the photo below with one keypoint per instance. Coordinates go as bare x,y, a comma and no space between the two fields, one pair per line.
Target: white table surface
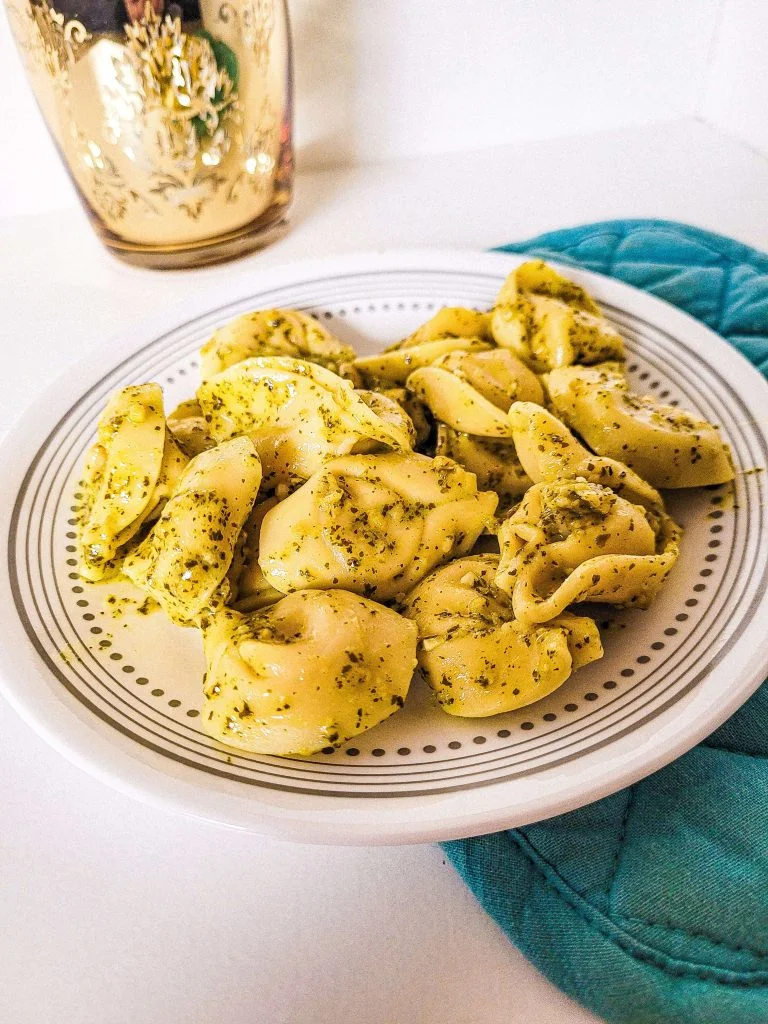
117,913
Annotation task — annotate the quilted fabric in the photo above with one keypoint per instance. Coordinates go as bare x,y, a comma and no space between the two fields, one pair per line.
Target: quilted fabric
652,905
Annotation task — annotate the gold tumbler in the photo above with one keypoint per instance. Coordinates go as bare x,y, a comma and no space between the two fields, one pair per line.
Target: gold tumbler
173,119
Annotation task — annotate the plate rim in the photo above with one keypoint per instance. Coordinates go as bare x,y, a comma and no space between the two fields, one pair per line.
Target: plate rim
336,820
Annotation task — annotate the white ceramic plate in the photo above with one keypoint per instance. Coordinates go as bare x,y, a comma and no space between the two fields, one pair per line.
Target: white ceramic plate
121,696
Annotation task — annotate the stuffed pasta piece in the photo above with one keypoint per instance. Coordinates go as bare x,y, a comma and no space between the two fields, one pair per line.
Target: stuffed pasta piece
548,452
373,524
393,366
667,446
129,473
573,541
249,588
189,428
452,329
308,672
493,460
298,415
273,332
472,391
477,657
450,322
391,411
416,412
185,559
550,321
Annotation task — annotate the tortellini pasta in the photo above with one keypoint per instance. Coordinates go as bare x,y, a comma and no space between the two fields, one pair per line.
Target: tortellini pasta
250,590
550,321
373,524
391,411
477,657
298,415
548,452
471,391
665,445
453,401
497,374
494,461
185,558
189,429
450,322
574,541
273,332
306,673
393,366
416,412
129,472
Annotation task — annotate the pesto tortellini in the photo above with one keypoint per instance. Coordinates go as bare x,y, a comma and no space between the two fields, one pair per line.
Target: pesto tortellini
416,412
477,657
451,329
391,411
250,590
189,429
450,322
273,332
493,460
308,672
456,403
392,368
298,415
574,541
186,557
471,391
548,452
373,524
129,473
550,321
667,446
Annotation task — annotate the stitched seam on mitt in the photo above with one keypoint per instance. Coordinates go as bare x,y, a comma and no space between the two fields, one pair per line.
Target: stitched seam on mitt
621,839
631,945
727,268
761,954
620,238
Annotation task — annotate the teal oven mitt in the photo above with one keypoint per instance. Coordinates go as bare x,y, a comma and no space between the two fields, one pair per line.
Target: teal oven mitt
652,905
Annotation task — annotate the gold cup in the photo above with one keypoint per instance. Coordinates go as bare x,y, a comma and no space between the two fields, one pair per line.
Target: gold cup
173,119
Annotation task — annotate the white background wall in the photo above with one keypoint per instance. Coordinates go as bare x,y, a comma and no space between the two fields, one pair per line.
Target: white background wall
408,78
736,96
382,79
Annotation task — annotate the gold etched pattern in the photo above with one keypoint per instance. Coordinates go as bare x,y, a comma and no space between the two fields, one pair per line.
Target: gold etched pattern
256,21
176,74
175,133
47,40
